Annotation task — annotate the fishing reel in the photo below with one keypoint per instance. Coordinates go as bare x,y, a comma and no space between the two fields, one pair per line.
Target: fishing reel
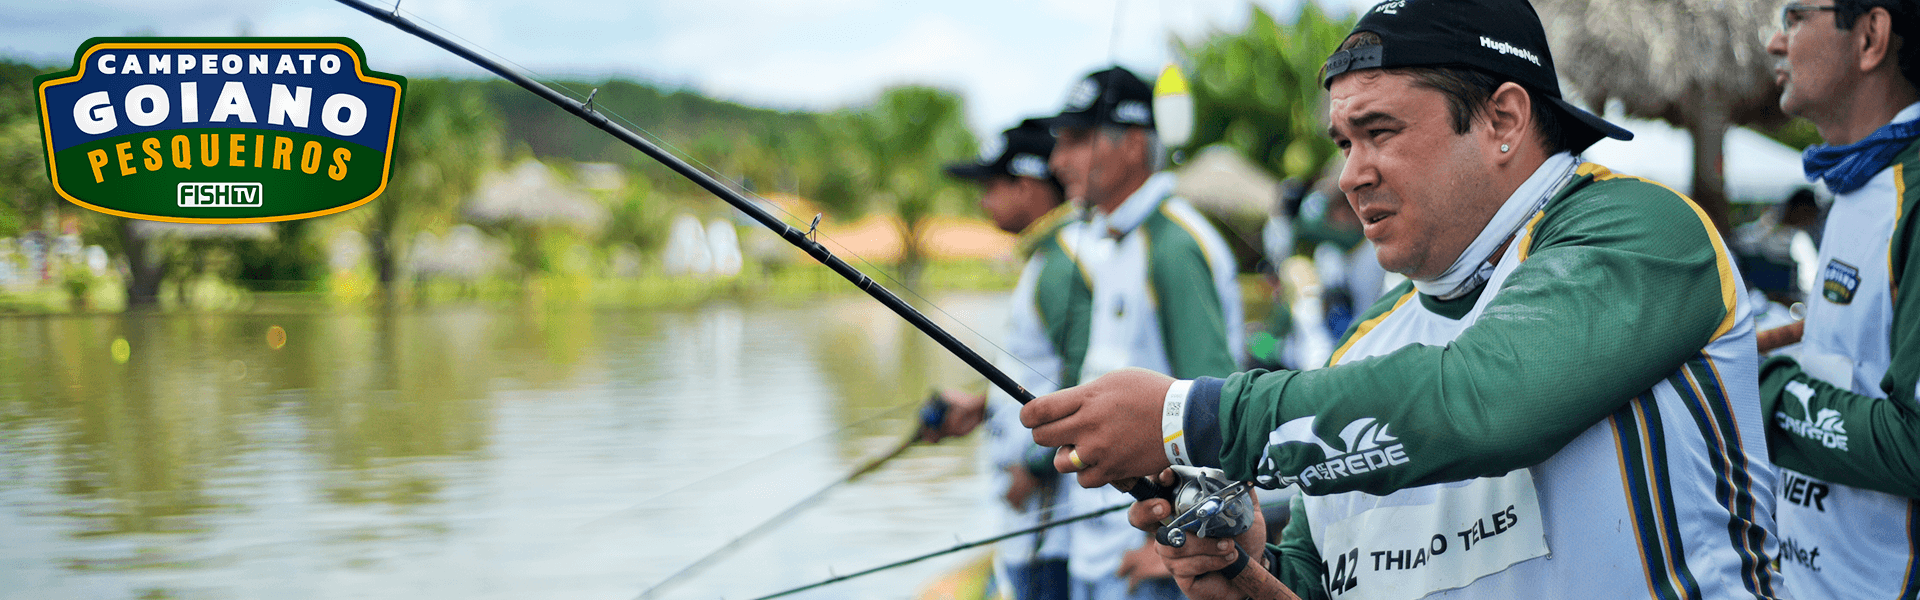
1205,504
934,412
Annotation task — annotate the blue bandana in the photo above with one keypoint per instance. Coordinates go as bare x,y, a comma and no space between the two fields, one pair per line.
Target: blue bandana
1848,167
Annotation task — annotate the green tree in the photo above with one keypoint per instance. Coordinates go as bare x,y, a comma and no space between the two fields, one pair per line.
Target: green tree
903,140
829,174
449,136
1258,91
24,190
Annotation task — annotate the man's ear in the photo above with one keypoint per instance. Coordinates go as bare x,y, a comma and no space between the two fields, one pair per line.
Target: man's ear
1876,39
1509,119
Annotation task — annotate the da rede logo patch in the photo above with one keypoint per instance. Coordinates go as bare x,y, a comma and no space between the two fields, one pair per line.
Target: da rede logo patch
219,130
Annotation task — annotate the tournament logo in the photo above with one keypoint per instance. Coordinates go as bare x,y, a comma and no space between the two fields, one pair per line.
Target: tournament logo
1842,280
219,130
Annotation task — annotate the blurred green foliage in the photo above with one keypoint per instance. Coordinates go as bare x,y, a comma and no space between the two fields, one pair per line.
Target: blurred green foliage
24,190
1797,133
449,137
1258,91
894,151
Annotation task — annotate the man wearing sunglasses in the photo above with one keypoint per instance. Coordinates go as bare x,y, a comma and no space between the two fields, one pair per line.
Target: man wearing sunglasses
1842,422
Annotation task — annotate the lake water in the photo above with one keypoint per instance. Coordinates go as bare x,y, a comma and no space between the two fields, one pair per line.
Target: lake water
478,452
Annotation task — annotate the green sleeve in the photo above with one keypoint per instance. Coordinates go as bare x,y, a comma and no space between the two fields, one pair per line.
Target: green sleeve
1192,322
1621,284
1295,561
1880,446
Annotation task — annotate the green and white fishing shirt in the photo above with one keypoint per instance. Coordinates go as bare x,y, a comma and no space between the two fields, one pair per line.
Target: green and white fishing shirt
1842,420
1584,425
1164,297
1048,312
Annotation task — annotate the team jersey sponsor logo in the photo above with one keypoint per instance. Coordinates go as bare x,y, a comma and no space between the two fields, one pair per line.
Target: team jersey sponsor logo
1803,491
1366,446
1794,552
1842,280
218,130
1509,50
1825,426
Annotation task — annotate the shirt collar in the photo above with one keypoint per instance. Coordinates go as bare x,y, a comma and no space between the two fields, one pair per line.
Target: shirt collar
1038,231
1473,266
1911,112
1137,207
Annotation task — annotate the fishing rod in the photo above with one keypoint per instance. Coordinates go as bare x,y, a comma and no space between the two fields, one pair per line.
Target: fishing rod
965,546
1141,488
928,419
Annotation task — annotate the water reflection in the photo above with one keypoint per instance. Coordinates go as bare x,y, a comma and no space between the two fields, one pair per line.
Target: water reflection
471,451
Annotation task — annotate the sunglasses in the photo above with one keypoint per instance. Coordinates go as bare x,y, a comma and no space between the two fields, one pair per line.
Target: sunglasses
1793,14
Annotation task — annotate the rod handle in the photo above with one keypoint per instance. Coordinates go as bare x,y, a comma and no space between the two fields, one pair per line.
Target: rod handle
1144,489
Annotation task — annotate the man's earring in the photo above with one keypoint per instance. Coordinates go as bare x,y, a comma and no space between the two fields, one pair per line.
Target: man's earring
1503,148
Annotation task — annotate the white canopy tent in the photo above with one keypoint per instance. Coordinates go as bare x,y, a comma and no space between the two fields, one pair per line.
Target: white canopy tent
1759,170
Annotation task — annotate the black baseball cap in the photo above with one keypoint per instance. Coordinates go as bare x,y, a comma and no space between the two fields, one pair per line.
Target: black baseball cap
1114,96
1500,37
1023,152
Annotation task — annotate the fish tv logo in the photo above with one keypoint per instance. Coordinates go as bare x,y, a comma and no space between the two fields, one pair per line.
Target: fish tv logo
219,130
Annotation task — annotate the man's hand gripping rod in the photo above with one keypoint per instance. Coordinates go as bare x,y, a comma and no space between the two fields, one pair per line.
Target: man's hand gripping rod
1206,505
1142,488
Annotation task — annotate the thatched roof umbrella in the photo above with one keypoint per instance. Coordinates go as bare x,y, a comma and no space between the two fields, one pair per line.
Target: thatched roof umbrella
1223,182
1699,64
531,194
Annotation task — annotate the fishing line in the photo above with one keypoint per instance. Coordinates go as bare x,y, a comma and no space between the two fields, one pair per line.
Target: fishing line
732,184
775,521
730,470
965,546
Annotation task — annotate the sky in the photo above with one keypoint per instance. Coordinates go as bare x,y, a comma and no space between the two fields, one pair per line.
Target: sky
1009,59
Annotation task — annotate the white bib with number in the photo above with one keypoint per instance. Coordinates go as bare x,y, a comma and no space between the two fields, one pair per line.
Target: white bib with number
1432,538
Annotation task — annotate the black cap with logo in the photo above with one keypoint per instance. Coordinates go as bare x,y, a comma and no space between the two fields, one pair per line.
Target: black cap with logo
1023,152
1501,37
1111,97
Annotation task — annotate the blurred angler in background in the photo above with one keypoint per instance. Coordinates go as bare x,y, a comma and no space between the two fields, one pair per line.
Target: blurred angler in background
1842,420
1165,295
1021,196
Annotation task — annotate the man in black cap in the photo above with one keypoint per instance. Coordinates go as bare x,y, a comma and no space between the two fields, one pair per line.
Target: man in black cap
1165,296
1021,196
1562,400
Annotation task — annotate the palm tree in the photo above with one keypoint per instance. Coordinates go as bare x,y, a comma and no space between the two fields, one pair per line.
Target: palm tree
1258,91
